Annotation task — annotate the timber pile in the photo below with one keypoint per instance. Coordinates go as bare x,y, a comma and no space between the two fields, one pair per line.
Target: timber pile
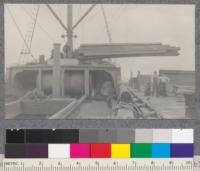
115,50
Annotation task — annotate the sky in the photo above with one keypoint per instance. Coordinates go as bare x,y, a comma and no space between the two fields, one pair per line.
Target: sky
168,24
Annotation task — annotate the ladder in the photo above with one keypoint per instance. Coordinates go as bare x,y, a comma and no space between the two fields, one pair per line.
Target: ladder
26,49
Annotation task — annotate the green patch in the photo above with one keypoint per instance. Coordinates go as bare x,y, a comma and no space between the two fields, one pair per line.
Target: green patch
141,150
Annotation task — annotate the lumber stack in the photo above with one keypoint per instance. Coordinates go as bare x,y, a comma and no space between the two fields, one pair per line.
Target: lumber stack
120,50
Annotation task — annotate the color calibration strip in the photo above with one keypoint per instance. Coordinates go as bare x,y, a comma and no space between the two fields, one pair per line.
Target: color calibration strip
100,143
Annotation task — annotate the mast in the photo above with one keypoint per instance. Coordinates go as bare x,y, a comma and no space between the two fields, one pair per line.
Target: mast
70,30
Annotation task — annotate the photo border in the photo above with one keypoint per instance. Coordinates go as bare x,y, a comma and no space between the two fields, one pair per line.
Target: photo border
102,123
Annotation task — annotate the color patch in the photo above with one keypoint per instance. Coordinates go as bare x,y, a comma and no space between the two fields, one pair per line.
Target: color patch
107,135
120,150
88,136
52,136
161,151
100,150
162,136
183,136
143,135
182,150
15,151
125,136
15,136
141,150
80,150
59,151
37,150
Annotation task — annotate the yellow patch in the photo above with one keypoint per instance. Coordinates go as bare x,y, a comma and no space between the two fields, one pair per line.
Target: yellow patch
120,151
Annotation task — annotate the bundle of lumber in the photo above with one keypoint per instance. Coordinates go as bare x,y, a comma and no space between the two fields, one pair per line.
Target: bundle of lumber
119,50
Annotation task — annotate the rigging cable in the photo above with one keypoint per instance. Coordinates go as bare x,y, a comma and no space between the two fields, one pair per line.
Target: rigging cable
106,23
82,25
20,33
60,15
25,53
34,27
40,26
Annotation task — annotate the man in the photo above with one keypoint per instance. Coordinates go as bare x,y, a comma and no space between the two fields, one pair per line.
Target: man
138,80
147,89
163,80
66,49
131,80
155,83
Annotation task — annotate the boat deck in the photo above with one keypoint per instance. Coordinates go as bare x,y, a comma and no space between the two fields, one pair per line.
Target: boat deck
167,107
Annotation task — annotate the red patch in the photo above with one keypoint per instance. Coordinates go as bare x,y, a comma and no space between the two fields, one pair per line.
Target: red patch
100,150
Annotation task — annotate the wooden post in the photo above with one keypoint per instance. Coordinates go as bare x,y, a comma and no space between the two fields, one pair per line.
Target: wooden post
63,83
39,80
56,71
87,82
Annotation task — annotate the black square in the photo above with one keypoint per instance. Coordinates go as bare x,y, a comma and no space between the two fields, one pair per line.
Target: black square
52,136
15,151
15,136
70,135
